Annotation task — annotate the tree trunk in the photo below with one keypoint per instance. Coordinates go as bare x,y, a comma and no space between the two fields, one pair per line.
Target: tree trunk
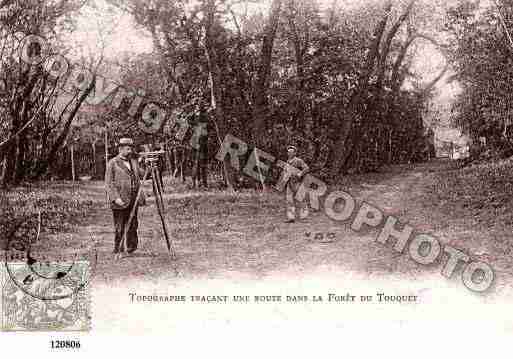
385,50
3,172
72,154
264,71
19,166
57,145
9,165
95,167
355,110
216,92
168,159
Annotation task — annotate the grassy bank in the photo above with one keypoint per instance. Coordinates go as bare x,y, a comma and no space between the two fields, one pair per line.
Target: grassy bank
484,192
60,206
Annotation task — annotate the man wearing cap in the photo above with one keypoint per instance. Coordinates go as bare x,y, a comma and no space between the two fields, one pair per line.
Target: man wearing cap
122,182
293,185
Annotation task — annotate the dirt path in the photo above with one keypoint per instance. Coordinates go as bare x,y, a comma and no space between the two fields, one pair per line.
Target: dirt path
217,235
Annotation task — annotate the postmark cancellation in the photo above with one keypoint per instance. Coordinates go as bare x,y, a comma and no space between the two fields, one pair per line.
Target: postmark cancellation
45,296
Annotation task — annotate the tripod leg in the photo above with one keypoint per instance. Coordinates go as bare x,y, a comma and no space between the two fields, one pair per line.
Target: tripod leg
158,182
132,214
160,208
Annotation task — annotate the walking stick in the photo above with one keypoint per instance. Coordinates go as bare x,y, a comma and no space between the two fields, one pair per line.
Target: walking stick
132,214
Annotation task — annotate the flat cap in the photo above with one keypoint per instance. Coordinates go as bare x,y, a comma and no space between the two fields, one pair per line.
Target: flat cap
290,147
125,141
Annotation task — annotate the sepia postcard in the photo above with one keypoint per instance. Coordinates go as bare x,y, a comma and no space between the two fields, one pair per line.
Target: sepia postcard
250,178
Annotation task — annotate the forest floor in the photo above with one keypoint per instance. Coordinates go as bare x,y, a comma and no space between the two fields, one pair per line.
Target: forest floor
243,235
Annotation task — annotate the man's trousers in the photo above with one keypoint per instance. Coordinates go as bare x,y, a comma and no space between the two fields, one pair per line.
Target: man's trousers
121,217
293,205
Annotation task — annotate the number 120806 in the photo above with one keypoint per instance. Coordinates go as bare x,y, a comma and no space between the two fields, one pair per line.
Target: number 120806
65,344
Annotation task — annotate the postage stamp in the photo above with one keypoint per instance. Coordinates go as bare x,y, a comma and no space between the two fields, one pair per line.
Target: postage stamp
52,296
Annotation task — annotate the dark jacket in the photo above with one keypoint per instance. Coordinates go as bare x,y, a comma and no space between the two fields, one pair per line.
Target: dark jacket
122,183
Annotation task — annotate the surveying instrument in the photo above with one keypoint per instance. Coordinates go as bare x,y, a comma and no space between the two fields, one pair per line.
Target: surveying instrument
151,161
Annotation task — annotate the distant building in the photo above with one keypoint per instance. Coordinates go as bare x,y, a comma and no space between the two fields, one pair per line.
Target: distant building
450,143
443,149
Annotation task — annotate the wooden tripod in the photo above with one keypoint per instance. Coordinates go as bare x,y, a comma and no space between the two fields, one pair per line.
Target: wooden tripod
151,169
